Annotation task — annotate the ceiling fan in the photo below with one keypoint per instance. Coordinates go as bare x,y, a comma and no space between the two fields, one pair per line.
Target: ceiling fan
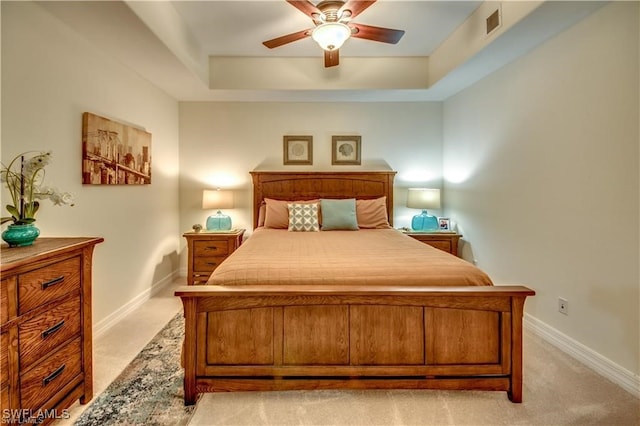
333,26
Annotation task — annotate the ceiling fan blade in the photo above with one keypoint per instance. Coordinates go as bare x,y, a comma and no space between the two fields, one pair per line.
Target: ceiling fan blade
305,7
356,7
384,35
331,58
279,41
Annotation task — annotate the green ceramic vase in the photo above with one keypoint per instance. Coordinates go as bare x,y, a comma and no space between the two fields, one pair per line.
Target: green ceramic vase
20,235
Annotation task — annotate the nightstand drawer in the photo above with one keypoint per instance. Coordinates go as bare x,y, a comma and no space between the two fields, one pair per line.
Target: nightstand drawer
47,283
207,264
52,374
442,245
211,248
445,241
44,333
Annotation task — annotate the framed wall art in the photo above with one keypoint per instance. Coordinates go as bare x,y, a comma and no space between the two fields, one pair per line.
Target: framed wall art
114,153
345,150
297,150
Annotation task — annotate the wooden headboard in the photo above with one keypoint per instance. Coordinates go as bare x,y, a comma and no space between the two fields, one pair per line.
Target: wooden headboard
309,185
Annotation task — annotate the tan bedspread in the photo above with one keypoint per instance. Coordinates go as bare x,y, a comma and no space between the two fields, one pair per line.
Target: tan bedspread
364,257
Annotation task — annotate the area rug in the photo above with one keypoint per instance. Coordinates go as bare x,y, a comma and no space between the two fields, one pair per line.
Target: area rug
149,390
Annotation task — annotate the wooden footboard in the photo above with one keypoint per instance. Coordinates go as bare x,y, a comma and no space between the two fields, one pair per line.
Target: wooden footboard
352,337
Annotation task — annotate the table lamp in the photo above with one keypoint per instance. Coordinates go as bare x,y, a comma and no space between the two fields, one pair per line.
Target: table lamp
217,199
424,198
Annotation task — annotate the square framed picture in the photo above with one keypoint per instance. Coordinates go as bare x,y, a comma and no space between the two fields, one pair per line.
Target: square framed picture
297,150
444,224
345,150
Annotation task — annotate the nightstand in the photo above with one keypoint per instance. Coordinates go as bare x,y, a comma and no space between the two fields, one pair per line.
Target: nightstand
445,241
207,250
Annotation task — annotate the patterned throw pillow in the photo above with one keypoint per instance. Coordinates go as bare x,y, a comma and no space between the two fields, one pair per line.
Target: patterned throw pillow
303,217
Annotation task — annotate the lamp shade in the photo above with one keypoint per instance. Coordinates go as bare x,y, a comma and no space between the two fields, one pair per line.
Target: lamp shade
423,198
331,35
217,199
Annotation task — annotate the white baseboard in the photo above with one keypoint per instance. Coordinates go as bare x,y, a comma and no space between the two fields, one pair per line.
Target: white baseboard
601,365
101,327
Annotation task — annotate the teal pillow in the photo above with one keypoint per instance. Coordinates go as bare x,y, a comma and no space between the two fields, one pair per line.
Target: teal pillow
339,214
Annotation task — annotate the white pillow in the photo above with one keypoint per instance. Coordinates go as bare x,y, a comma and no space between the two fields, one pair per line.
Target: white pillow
303,217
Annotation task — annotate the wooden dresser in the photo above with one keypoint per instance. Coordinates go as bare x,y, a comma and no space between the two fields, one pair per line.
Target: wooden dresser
445,241
207,249
45,328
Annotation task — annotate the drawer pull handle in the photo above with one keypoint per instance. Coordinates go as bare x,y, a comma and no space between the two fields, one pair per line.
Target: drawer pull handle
212,263
51,377
50,283
212,248
52,330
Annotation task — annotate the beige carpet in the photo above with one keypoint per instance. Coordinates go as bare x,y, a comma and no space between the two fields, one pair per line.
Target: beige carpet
557,391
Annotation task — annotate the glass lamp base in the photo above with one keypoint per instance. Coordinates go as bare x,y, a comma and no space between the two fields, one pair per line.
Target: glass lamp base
424,222
219,222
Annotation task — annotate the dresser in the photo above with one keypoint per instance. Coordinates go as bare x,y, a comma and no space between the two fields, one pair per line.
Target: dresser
445,241
45,328
207,250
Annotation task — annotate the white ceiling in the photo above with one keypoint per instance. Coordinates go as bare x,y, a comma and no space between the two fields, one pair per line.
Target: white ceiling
179,46
238,28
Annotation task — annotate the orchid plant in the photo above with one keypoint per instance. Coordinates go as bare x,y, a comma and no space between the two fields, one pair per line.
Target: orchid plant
24,178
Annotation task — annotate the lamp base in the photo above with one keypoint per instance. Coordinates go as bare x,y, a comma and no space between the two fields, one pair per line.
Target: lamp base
218,222
424,222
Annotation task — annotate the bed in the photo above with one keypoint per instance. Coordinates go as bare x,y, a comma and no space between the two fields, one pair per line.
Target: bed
267,322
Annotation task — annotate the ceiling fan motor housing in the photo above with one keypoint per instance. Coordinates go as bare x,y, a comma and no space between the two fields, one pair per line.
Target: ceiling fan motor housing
330,9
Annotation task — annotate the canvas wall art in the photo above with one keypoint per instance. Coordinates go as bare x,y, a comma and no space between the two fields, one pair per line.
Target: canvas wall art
114,153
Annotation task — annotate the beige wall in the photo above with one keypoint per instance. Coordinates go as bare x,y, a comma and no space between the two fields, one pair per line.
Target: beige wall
540,162
541,172
221,142
49,78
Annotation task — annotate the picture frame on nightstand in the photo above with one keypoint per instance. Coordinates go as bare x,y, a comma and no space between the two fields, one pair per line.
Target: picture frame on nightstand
444,224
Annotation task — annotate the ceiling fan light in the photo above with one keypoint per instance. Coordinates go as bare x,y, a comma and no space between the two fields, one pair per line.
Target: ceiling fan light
331,35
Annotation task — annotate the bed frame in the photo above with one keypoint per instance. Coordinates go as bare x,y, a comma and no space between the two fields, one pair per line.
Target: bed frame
265,338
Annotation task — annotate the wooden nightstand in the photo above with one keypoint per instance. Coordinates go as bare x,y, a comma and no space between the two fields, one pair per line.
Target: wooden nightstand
207,249
445,241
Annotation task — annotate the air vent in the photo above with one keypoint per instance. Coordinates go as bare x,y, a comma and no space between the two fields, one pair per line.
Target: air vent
494,21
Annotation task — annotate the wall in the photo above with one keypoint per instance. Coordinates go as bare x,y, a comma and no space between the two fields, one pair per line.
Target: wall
221,142
50,76
541,173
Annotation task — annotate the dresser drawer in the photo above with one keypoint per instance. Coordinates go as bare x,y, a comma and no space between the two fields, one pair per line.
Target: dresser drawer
47,283
211,248
49,376
4,398
4,360
4,299
207,264
47,331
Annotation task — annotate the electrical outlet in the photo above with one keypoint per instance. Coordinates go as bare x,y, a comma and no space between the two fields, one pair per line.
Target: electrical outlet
563,306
